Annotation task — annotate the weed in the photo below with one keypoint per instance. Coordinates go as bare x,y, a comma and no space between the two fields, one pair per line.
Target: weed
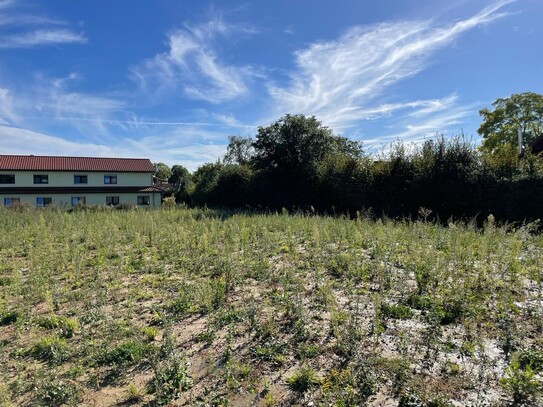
346,387
271,350
207,336
149,333
127,285
50,349
521,383
170,379
53,392
126,353
66,326
9,317
532,358
396,311
303,380
307,351
134,393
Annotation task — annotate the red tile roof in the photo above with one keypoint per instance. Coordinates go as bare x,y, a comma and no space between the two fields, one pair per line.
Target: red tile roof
90,164
151,189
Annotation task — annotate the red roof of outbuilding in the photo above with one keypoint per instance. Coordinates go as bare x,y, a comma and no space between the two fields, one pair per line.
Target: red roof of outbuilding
90,164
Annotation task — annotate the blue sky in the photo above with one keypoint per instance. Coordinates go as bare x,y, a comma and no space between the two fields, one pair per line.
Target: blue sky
171,80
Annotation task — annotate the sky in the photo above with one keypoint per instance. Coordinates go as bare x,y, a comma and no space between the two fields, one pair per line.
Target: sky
170,80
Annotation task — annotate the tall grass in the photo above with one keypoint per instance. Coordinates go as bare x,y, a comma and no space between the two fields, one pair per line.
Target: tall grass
222,307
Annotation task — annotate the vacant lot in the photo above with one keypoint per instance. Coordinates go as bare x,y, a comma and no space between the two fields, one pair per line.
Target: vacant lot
195,307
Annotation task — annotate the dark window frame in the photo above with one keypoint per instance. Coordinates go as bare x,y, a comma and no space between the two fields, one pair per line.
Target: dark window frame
81,179
7,178
76,200
110,179
11,201
112,200
46,201
144,200
41,179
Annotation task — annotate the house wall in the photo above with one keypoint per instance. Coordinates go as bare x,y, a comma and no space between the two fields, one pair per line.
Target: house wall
66,178
65,200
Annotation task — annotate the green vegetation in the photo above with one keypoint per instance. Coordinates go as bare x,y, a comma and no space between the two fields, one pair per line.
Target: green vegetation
500,126
298,164
204,307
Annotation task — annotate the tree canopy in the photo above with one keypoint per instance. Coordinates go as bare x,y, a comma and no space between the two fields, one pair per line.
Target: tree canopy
298,144
240,150
500,125
162,171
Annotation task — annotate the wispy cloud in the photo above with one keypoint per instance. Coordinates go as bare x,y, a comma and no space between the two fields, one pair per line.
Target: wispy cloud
193,64
18,29
189,148
41,38
7,110
342,81
422,123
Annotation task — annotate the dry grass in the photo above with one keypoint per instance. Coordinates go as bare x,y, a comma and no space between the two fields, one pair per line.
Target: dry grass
195,307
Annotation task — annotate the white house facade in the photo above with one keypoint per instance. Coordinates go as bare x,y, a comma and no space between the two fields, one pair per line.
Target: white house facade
67,181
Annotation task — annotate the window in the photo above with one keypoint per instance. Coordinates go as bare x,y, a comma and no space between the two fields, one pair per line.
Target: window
110,179
78,200
7,178
143,200
10,201
112,200
42,201
80,179
41,179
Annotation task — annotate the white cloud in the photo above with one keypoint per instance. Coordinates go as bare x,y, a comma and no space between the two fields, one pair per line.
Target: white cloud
341,81
188,148
12,17
20,141
430,121
7,111
192,64
41,38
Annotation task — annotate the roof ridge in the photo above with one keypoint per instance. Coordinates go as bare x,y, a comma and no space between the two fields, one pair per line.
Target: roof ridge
73,156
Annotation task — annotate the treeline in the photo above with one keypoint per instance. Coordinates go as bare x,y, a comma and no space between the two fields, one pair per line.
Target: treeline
298,164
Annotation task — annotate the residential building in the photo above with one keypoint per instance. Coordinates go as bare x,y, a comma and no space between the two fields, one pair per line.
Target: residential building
67,181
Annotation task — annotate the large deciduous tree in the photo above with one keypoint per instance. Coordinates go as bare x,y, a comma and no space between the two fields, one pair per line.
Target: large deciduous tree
288,154
295,145
500,125
240,150
162,171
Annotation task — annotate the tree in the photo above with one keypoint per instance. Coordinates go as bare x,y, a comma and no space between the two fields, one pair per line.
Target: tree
162,171
287,157
205,180
295,145
181,179
500,126
178,175
240,150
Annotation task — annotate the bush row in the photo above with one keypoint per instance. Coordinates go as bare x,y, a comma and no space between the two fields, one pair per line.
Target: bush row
445,177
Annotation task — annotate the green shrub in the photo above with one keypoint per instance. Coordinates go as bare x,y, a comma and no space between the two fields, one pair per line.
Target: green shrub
413,399
532,358
307,351
396,311
126,353
170,379
50,349
9,317
303,380
66,326
521,383
351,386
54,392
